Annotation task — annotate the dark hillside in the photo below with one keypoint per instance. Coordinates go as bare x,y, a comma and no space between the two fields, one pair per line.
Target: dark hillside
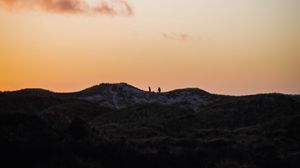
182,128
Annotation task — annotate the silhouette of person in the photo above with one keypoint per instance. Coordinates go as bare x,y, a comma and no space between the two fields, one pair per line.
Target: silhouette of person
159,89
149,89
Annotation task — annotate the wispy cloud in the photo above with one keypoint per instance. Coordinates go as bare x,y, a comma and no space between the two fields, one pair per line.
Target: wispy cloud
107,7
177,36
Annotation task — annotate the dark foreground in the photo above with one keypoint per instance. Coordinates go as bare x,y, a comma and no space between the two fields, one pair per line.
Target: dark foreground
41,129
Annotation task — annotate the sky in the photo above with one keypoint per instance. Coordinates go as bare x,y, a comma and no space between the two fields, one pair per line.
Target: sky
233,47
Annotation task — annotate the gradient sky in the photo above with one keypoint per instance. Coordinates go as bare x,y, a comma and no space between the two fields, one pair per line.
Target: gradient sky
222,46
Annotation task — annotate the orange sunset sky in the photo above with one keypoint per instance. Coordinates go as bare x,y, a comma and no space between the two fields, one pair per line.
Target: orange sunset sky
223,46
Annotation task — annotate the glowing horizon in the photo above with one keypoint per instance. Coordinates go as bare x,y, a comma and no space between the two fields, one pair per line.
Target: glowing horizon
231,47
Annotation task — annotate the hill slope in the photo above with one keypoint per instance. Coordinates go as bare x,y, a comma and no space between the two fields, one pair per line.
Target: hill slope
118,125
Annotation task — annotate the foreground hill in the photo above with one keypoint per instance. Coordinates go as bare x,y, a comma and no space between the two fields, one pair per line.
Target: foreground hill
118,125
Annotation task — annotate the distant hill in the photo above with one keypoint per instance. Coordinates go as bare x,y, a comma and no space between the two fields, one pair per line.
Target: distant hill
119,125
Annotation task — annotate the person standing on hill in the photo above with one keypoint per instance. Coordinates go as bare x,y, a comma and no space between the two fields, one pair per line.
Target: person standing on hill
159,90
149,89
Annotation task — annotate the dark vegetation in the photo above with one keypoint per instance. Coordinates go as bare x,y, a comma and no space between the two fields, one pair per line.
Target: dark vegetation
39,128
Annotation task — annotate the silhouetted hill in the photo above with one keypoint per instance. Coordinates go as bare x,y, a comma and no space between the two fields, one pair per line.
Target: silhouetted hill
122,95
118,125
106,87
32,92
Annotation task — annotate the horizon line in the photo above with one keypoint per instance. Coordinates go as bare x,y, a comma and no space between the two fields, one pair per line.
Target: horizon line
116,83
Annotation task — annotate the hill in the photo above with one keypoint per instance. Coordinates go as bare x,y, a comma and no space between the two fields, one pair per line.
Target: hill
118,125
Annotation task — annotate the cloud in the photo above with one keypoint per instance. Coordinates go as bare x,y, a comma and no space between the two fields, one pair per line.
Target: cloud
104,7
177,36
